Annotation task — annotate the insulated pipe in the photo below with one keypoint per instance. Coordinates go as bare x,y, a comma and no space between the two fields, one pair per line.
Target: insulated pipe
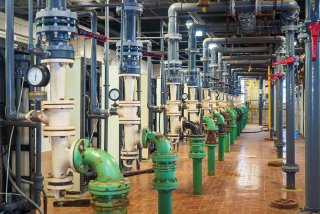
241,50
251,57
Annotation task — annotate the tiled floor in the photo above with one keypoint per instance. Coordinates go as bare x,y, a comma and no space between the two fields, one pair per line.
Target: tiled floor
243,183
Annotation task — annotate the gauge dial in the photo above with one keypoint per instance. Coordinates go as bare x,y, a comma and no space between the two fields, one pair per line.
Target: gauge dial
184,96
114,94
38,76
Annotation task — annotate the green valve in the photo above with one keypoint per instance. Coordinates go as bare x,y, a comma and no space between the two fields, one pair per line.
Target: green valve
164,165
109,189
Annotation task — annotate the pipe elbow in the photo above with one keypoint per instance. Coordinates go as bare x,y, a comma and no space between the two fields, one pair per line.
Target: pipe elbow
85,159
220,118
192,126
172,11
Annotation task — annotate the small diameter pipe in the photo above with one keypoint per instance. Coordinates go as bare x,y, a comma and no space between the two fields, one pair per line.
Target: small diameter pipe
106,75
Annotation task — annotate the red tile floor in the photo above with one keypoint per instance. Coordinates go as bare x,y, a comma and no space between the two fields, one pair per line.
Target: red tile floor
243,182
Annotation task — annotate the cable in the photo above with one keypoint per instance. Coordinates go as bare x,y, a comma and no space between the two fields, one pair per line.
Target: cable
10,140
19,190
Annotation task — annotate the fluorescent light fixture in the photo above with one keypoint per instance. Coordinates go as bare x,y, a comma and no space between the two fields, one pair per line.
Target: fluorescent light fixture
199,33
212,46
189,23
295,42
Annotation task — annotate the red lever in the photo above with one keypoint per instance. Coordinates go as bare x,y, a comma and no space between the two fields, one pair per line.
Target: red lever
277,75
91,35
289,61
314,29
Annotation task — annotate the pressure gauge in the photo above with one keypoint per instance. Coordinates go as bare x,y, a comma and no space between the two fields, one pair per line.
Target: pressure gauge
184,96
38,76
114,94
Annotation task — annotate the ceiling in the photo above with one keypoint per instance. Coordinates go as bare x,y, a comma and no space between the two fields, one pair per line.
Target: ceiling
153,14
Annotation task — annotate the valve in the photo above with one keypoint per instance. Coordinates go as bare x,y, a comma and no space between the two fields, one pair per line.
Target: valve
91,35
314,29
277,75
289,61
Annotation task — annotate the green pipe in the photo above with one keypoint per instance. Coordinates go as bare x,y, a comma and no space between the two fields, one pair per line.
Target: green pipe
109,189
197,153
197,176
164,202
219,117
221,146
211,159
233,125
209,124
227,142
164,165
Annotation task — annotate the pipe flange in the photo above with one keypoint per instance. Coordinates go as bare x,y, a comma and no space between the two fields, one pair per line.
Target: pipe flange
290,168
205,59
56,13
60,183
289,28
129,122
59,104
192,50
173,36
134,7
50,131
129,75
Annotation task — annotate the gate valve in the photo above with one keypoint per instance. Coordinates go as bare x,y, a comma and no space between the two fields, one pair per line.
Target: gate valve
91,35
289,61
314,29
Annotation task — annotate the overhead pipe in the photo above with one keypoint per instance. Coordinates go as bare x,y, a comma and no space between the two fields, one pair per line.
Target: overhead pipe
250,57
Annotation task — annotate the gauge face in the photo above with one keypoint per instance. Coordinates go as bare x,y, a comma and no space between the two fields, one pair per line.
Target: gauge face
35,76
184,96
114,94
38,76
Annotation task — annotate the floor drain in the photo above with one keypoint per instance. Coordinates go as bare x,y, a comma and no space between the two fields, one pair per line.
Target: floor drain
275,163
284,204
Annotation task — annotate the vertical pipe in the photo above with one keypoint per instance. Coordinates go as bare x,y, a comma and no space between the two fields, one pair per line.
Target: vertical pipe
211,160
150,73
269,101
272,122
221,147
164,202
260,100
106,76
163,79
94,81
197,176
18,141
9,55
290,165
312,109
30,19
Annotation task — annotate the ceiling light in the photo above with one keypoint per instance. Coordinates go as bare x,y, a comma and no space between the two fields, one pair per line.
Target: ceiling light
189,23
199,33
212,46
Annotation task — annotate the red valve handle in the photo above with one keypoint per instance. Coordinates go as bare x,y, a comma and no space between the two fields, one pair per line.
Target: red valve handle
277,75
289,61
92,35
314,29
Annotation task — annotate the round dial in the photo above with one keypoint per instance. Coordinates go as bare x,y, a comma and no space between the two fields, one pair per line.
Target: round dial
114,94
184,96
38,76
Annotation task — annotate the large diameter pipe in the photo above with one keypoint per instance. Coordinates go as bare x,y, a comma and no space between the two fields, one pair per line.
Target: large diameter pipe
312,145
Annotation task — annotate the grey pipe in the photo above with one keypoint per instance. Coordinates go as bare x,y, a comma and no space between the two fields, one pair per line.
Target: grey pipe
244,61
290,167
312,109
260,101
150,73
242,49
250,57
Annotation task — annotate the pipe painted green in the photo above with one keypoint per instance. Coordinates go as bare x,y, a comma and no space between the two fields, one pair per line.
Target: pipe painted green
227,142
211,129
197,153
164,165
221,135
221,146
233,125
109,189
